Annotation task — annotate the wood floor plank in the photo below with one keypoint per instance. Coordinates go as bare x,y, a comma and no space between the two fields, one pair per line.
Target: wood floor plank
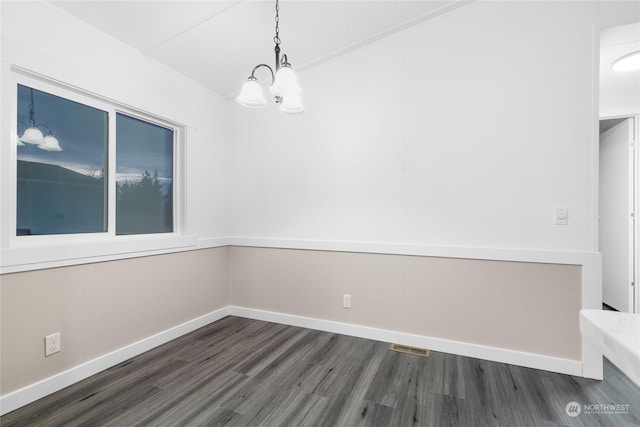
355,413
371,414
387,383
103,410
338,402
241,372
290,409
265,354
477,391
187,401
511,404
278,375
214,417
444,410
444,374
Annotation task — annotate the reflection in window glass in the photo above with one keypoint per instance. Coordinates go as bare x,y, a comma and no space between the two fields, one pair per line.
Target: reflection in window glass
60,190
144,177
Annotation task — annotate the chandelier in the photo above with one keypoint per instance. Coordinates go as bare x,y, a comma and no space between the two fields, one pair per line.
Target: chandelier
284,83
33,135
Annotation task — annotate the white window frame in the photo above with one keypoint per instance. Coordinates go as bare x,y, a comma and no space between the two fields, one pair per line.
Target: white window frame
22,253
112,192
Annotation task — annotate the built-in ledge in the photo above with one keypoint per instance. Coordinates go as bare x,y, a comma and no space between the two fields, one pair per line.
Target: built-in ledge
617,336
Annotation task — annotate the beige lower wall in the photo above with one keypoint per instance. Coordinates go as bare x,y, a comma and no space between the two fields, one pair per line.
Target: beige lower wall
99,308
520,306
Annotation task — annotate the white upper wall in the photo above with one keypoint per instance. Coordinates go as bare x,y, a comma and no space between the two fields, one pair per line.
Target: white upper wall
44,39
466,131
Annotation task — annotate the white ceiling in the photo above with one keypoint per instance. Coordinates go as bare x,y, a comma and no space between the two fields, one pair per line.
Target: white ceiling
217,43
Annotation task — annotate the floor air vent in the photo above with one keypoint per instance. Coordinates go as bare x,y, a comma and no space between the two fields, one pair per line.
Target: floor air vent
409,350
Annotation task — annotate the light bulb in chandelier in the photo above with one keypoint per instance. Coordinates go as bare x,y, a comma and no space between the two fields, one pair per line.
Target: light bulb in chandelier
292,104
286,82
251,94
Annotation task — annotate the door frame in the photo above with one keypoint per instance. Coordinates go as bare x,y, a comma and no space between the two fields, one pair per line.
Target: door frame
634,195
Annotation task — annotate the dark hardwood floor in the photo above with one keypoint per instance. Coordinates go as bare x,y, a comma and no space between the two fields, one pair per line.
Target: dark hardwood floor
244,372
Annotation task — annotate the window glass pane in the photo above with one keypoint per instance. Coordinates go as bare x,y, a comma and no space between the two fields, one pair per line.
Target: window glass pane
144,173
61,168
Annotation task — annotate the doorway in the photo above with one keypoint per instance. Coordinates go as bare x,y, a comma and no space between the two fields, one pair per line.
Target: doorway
618,242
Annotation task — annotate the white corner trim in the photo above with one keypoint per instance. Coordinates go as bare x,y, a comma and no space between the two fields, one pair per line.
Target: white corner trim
33,392
592,364
212,242
29,258
468,252
495,354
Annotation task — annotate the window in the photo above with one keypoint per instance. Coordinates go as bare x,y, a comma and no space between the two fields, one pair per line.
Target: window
60,191
144,169
87,169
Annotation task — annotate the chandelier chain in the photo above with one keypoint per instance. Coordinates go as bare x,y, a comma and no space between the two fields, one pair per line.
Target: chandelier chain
276,39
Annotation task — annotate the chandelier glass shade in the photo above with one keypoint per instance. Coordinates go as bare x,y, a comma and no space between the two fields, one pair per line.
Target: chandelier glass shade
284,83
33,135
251,94
292,104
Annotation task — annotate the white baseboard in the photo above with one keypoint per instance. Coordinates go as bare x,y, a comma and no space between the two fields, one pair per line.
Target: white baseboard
33,392
495,354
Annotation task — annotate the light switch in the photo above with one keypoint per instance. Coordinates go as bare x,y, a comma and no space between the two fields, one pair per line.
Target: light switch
561,216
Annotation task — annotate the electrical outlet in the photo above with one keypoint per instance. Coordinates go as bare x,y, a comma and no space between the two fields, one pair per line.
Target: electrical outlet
346,301
52,344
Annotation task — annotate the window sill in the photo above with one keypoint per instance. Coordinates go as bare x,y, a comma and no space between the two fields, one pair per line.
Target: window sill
26,258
